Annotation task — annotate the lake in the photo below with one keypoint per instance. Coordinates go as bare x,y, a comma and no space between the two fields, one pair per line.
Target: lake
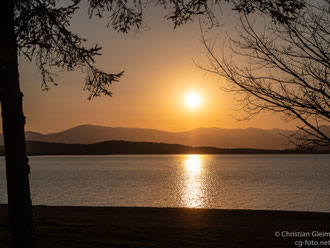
278,182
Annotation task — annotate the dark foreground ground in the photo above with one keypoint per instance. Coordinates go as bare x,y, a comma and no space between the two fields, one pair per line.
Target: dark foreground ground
82,227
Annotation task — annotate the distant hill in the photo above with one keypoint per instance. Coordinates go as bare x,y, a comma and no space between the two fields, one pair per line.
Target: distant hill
129,147
215,137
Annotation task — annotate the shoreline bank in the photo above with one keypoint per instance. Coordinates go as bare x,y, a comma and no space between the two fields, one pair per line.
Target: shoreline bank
168,227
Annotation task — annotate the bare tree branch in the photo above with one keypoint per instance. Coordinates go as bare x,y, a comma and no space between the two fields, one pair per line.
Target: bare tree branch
287,70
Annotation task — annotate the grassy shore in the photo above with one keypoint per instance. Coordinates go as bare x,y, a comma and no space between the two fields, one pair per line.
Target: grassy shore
96,227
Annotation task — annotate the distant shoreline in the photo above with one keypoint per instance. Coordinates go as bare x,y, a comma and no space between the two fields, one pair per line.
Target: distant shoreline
119,147
132,227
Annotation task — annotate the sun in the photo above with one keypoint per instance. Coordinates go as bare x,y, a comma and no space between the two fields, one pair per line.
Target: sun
193,100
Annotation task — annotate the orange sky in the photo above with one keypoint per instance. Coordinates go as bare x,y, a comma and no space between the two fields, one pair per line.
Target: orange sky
159,73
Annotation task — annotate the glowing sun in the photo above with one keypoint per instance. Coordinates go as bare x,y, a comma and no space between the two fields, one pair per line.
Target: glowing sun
193,100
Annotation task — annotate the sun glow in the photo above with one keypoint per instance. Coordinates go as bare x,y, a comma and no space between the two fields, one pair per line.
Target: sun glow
193,100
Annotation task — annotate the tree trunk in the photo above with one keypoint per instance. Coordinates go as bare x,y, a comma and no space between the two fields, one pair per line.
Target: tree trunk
17,168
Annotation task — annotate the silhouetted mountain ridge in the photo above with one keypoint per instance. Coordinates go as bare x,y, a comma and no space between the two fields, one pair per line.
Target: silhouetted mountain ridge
212,137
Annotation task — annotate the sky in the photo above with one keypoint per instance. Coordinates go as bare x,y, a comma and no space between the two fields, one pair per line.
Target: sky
159,75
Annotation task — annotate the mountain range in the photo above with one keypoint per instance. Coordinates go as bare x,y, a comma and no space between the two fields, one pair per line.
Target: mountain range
211,137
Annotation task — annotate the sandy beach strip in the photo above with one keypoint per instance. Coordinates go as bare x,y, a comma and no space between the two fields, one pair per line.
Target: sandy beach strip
83,227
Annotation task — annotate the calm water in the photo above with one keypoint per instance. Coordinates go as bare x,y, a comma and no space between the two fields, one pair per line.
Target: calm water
282,182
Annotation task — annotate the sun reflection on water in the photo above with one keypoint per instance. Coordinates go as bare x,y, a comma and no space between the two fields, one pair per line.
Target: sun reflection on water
193,163
193,182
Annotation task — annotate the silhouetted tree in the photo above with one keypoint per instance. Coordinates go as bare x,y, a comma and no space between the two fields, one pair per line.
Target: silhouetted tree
38,30
283,67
